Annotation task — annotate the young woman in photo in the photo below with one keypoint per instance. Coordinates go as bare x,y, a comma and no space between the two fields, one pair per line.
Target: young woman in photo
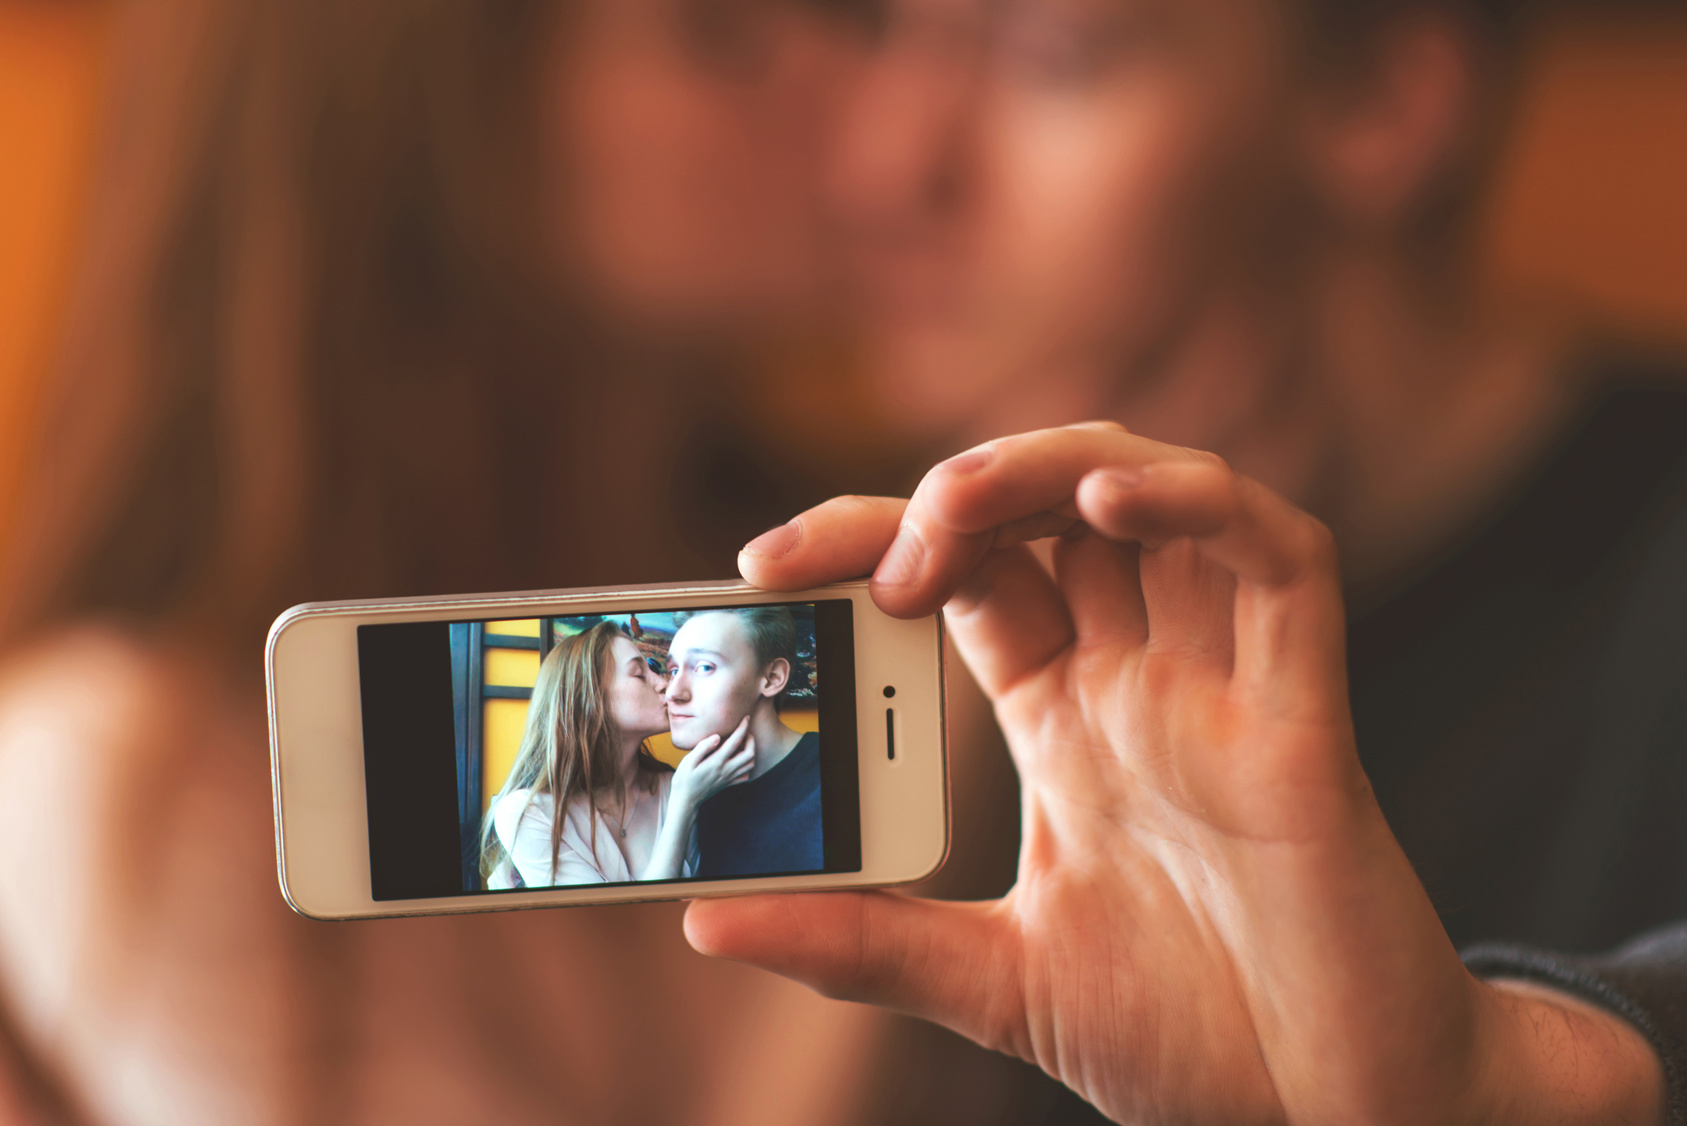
586,802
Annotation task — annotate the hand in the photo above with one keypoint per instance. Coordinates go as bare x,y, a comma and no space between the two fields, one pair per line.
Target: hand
1212,921
714,764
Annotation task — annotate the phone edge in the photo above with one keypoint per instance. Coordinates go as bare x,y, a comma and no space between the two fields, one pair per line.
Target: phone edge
313,609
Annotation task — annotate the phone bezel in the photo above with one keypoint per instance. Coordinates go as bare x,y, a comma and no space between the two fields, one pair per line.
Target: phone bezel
316,747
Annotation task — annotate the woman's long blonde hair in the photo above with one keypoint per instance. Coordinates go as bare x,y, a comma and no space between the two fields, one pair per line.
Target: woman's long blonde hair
309,258
570,745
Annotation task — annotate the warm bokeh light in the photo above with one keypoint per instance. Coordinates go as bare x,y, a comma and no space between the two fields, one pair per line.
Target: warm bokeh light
51,57
1588,207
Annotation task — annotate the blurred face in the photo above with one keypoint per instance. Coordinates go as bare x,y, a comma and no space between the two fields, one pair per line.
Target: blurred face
1038,191
686,144
714,679
635,692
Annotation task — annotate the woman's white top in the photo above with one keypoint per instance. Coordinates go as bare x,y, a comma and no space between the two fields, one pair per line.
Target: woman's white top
523,824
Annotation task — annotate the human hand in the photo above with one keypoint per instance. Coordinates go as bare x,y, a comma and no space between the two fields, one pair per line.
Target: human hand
713,765
1212,921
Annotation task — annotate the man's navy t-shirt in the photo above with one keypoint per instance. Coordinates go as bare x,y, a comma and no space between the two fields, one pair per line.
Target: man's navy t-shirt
770,824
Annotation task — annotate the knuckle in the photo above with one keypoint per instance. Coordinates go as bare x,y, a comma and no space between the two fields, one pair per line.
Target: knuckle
1206,458
853,505
1214,478
1319,544
1226,489
1235,485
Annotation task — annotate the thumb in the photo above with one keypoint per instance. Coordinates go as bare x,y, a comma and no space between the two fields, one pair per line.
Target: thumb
953,963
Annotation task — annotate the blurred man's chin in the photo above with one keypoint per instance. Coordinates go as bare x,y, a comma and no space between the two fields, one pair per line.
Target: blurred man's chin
913,366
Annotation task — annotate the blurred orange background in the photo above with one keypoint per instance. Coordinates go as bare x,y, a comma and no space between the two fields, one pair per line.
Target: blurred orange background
1587,204
50,71
1586,208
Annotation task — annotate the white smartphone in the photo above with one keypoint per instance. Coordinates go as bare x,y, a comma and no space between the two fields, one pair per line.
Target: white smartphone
486,752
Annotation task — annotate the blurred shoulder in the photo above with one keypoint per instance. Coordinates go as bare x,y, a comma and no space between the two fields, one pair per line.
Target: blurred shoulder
89,691
85,683
119,758
115,729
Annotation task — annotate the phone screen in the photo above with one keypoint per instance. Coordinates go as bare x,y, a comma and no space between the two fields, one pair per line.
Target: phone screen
552,752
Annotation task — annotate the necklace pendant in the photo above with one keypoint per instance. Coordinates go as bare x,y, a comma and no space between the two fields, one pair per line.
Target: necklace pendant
623,834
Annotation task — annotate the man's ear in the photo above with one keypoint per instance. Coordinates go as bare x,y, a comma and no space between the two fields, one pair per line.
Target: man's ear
1377,141
775,677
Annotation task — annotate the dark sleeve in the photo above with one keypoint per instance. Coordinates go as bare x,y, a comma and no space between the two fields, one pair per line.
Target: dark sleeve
1644,982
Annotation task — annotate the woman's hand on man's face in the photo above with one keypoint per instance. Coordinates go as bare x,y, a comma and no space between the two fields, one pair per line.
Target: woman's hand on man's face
1212,921
714,764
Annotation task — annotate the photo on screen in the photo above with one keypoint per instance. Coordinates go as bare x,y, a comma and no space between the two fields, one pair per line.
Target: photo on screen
610,748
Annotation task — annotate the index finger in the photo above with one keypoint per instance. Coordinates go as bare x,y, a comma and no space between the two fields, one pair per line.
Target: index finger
844,538
737,735
1013,479
1010,489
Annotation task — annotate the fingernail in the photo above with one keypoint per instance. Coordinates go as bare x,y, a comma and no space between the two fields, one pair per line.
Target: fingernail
901,564
775,543
970,462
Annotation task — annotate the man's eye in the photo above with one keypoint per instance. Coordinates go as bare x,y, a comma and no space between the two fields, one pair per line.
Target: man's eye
705,667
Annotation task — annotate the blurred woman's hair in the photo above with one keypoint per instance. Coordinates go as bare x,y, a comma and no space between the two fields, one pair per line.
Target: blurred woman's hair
311,353
570,746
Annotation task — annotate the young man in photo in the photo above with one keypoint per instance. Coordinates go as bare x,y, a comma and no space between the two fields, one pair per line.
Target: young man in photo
727,667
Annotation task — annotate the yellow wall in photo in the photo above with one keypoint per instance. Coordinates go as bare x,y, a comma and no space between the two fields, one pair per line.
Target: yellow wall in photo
514,668
500,739
503,721
663,748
